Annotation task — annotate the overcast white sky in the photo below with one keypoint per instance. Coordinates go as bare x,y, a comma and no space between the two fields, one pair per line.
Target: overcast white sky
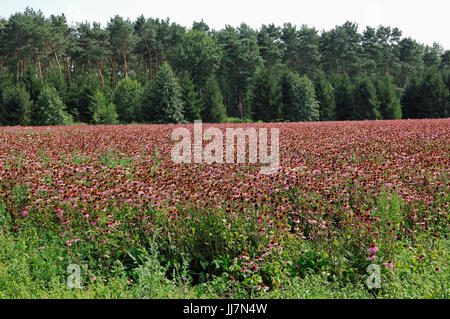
426,21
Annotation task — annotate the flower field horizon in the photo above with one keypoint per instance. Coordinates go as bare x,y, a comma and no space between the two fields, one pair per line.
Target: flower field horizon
109,198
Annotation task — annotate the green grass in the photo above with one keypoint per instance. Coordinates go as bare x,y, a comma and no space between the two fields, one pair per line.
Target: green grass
33,264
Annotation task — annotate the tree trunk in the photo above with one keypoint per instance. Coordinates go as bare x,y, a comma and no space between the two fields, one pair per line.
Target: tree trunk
68,71
38,62
125,63
149,59
56,58
18,70
113,71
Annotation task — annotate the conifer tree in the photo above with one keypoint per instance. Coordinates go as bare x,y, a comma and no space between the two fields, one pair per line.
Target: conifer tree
214,111
366,101
326,99
434,95
15,106
299,99
265,96
390,107
191,99
162,101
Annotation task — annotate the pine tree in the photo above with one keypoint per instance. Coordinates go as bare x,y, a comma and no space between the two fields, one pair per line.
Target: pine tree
366,101
426,97
265,96
199,54
15,106
192,101
162,98
390,107
411,99
79,96
241,58
31,81
299,99
434,94
326,99
122,39
344,97
214,111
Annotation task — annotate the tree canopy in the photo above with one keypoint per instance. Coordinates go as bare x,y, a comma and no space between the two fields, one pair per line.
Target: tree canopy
126,71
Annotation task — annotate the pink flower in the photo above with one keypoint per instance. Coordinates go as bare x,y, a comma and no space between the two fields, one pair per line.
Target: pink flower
372,249
24,213
389,264
255,268
371,257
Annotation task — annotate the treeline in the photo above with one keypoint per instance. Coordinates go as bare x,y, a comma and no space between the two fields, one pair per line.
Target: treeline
156,71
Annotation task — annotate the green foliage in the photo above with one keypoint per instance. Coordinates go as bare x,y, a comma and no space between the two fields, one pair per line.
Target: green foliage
237,120
128,100
122,39
79,97
191,100
367,105
345,98
102,111
341,49
38,51
213,111
15,106
199,54
50,109
270,45
411,99
390,107
33,84
308,55
427,97
57,80
299,99
265,96
435,101
162,102
326,98
241,58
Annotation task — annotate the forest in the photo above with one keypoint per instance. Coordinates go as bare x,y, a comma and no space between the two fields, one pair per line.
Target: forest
157,71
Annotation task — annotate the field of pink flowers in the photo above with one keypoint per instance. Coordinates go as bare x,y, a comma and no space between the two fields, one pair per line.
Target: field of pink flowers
347,194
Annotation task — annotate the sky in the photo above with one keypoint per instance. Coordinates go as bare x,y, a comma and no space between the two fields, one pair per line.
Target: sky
425,21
